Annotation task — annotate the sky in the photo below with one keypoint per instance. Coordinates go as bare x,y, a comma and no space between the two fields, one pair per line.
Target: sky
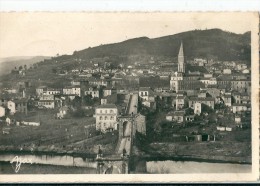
48,34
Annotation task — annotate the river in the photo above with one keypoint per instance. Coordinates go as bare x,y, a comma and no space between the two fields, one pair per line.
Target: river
65,164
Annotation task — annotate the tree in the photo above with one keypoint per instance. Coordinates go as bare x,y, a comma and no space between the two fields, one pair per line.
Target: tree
76,102
88,100
25,67
206,108
54,70
20,67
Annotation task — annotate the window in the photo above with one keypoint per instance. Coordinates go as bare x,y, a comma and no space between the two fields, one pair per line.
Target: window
112,117
111,111
100,118
105,118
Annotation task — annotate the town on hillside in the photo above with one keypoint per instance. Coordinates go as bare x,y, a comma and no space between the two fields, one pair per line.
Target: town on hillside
81,106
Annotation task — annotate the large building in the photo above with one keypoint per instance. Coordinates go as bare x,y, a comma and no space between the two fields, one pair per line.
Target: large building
106,117
174,82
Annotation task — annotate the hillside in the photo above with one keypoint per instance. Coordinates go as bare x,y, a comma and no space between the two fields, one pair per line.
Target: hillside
213,43
7,64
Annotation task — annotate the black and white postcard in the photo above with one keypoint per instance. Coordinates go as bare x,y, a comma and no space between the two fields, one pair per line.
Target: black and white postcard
146,97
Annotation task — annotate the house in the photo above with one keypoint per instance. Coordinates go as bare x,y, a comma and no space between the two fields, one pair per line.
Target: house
206,75
109,91
67,90
150,104
6,130
46,97
52,91
237,119
94,92
76,90
245,98
241,85
241,66
8,121
106,117
21,105
179,116
3,101
72,90
35,124
209,101
197,108
180,102
11,106
202,94
144,93
239,107
74,82
227,100
63,111
226,71
189,118
41,90
49,104
112,99
245,71
205,80
2,111
236,97
221,128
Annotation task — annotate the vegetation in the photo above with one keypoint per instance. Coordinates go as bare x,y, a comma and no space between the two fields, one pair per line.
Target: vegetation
213,43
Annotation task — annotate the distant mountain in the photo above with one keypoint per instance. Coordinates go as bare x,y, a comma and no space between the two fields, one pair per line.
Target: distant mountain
7,64
213,43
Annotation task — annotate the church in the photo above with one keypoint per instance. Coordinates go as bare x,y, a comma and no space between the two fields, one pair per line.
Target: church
184,79
178,76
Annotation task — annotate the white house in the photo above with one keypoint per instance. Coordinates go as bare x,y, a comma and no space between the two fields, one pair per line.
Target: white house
46,103
106,117
76,90
237,107
8,121
11,106
227,71
2,111
144,93
63,111
93,92
197,108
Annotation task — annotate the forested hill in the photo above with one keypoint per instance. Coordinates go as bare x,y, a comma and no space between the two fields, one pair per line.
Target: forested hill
213,43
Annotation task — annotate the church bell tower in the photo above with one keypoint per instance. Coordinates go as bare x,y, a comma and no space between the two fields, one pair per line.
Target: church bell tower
181,60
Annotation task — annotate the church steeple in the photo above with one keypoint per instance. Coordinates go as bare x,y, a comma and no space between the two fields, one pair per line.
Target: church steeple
181,60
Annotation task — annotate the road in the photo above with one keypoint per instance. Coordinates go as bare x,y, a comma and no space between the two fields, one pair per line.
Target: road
127,129
133,104
125,142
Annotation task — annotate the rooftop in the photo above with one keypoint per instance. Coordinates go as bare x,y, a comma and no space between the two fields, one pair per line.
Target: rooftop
107,106
144,89
201,99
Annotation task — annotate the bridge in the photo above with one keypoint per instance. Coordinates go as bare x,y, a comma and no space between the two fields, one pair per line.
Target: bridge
119,162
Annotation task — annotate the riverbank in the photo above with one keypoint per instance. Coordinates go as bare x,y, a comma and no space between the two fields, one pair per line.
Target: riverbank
6,168
214,152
